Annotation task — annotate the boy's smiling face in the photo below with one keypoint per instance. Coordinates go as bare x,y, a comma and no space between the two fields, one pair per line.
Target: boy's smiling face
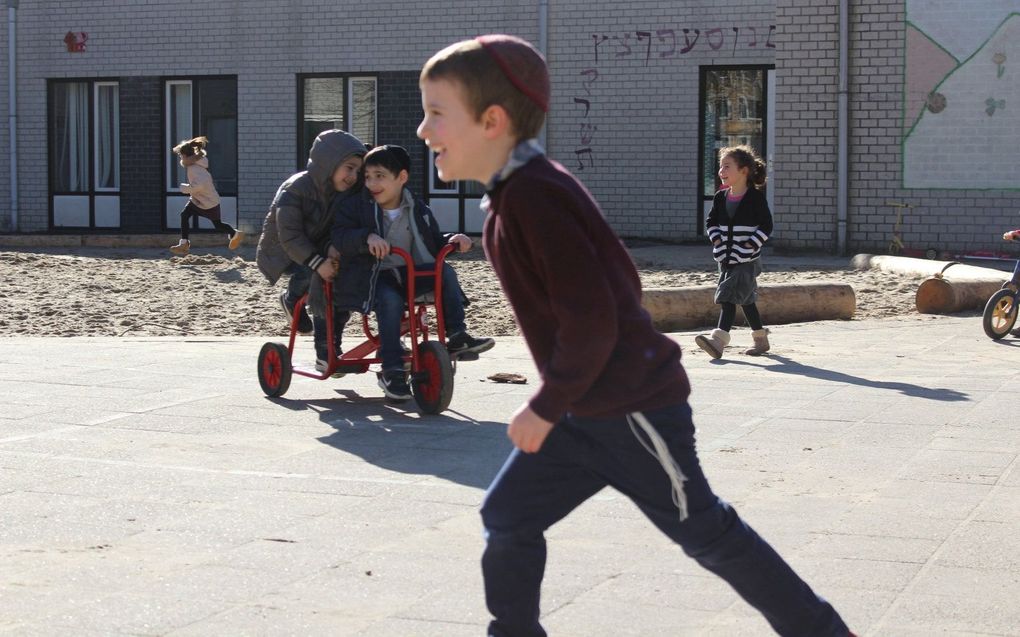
387,189
454,134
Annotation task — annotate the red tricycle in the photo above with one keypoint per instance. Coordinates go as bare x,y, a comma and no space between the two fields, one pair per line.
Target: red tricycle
431,368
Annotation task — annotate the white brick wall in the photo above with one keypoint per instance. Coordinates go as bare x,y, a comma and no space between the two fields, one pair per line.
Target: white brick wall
641,122
806,62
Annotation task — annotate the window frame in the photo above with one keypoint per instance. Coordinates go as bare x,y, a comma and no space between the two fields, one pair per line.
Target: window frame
169,143
301,153
91,192
703,109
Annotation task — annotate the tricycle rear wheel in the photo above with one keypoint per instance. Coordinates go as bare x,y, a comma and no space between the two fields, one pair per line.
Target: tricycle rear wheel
432,387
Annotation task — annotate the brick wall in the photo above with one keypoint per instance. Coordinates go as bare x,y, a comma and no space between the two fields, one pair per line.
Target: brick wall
642,111
5,166
399,115
950,220
141,154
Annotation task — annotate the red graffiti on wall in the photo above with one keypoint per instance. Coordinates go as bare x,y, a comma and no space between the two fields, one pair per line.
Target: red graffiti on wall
75,41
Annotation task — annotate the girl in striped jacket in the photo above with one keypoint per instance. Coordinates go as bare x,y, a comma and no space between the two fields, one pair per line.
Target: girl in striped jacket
738,226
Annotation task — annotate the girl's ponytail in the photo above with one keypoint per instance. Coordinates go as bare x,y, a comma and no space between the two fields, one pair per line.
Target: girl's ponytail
191,147
745,157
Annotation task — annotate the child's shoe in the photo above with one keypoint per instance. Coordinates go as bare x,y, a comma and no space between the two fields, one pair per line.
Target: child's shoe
463,343
394,385
321,365
761,342
236,240
304,326
714,343
182,248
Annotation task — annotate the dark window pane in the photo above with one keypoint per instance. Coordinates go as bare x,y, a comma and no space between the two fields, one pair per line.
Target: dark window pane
217,120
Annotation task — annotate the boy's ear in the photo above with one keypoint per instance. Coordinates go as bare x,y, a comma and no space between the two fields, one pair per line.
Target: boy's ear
403,176
495,121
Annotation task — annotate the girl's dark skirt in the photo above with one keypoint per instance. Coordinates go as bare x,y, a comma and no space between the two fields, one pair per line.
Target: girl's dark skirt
212,214
738,283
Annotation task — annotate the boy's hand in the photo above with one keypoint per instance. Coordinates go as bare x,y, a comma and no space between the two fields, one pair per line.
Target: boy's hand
716,242
378,246
462,241
528,430
1009,236
333,253
327,269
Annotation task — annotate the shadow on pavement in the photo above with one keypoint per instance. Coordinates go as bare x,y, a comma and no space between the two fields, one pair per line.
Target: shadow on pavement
396,437
800,369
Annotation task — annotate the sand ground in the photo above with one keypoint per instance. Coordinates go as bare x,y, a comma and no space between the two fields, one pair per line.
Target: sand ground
147,291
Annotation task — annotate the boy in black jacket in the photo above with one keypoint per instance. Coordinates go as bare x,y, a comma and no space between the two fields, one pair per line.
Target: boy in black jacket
365,228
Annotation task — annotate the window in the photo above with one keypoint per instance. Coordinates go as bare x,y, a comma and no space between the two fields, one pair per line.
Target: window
335,101
203,106
193,107
721,126
84,153
734,105
456,204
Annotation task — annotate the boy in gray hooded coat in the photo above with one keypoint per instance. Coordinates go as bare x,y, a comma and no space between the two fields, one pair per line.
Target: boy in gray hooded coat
295,234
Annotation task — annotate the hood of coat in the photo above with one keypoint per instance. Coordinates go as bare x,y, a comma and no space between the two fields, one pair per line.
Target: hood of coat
329,149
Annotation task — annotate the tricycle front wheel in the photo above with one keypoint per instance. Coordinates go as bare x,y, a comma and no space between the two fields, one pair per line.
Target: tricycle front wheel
274,369
1000,314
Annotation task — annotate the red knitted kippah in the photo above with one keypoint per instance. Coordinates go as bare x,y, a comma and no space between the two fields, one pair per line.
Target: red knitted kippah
522,64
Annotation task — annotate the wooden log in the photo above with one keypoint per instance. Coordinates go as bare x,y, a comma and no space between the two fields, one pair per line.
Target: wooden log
926,267
939,295
693,307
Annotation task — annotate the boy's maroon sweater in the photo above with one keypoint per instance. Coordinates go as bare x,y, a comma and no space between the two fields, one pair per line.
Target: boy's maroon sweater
577,298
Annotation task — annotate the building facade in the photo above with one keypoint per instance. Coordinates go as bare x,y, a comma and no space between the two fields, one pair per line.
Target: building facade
868,111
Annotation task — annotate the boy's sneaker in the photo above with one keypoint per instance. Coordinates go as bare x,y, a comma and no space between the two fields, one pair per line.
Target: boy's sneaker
304,326
236,240
464,343
322,365
394,385
181,248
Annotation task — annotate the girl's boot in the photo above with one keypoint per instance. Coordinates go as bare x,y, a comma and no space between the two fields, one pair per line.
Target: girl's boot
761,342
714,342
182,247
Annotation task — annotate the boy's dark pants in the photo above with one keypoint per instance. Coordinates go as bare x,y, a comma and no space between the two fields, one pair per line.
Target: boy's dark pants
391,298
300,279
580,457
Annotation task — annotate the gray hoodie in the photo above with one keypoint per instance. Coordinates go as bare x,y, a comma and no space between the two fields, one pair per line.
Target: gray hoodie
298,225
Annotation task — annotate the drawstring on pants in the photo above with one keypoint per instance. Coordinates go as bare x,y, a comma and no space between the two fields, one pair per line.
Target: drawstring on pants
659,449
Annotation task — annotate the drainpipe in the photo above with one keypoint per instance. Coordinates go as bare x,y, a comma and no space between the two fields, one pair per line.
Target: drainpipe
543,46
842,118
12,107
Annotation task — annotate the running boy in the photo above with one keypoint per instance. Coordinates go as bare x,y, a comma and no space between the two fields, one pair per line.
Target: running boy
295,234
612,405
364,229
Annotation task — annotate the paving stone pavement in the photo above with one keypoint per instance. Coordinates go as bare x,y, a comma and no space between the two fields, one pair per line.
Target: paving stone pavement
147,487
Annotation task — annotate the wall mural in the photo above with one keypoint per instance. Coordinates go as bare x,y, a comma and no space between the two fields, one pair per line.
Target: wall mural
961,96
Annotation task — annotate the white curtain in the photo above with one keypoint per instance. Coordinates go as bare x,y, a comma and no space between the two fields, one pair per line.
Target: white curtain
180,129
72,160
107,137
